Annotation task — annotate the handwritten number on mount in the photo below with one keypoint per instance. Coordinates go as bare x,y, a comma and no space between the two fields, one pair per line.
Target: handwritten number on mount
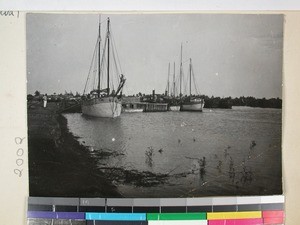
20,153
18,172
19,140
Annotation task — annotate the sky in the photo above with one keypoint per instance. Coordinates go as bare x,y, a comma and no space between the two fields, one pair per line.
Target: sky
232,55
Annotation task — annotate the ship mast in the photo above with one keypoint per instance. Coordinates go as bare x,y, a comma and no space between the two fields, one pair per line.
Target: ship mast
108,36
99,57
174,81
168,80
190,77
180,70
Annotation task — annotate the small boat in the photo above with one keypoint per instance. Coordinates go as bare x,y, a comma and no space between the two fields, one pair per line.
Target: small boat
192,103
103,102
133,110
174,108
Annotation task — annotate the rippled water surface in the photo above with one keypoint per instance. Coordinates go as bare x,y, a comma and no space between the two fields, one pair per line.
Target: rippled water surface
242,150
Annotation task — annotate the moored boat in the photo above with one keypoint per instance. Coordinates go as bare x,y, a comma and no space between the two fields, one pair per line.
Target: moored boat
171,98
173,103
174,107
196,104
103,102
133,110
102,107
192,103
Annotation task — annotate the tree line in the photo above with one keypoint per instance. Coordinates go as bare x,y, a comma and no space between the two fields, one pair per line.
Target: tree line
210,102
228,102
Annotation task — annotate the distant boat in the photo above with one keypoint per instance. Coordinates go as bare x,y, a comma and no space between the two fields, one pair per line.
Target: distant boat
174,108
173,100
184,104
173,103
133,110
192,103
196,104
103,102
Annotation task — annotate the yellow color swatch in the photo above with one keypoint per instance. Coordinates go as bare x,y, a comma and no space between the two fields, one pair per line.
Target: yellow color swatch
234,215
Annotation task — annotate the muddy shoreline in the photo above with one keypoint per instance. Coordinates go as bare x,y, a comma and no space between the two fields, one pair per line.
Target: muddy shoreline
59,166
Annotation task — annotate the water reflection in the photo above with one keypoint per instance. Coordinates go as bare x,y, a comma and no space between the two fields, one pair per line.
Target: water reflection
106,139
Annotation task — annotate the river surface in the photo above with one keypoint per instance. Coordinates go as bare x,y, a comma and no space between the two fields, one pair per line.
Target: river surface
214,153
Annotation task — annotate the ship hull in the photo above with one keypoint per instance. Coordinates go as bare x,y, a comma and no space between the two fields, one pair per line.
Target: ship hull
109,107
197,107
174,108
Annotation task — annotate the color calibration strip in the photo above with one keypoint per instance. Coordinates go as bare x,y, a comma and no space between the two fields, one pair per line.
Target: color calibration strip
189,211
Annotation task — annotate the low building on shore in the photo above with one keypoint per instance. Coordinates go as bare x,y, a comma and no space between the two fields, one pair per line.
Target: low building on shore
134,104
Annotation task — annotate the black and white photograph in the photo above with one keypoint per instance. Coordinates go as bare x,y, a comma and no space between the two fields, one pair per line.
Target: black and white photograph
154,105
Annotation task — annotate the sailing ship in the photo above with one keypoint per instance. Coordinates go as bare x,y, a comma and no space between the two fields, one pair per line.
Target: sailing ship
175,101
170,96
192,103
104,102
174,104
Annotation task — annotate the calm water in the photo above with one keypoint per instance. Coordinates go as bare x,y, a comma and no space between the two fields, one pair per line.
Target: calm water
242,150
